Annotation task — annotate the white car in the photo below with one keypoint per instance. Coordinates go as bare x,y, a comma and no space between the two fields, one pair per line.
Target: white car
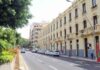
47,52
34,51
55,53
52,53
22,50
41,51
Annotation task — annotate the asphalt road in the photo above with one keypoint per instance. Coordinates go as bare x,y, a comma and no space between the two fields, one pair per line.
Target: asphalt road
42,62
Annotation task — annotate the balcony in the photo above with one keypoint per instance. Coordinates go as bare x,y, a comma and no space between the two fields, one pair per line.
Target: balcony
59,39
90,30
71,36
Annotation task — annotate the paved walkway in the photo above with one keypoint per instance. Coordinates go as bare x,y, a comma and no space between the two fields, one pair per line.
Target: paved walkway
6,66
80,58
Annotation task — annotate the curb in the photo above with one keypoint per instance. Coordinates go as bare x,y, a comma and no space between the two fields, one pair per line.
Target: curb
22,63
90,60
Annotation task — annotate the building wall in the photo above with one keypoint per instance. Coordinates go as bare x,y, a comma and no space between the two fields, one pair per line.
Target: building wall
34,32
58,25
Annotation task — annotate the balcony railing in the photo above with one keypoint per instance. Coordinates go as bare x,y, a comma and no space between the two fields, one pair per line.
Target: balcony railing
59,39
71,36
90,30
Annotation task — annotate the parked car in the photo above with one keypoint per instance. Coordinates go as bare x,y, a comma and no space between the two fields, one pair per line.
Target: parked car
41,51
55,53
27,49
47,52
52,53
34,51
22,50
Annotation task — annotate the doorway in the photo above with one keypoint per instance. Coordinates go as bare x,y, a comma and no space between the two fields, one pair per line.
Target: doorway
86,47
97,39
77,49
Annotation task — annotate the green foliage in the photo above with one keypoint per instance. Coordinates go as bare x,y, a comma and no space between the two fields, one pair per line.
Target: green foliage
23,42
7,38
14,13
6,56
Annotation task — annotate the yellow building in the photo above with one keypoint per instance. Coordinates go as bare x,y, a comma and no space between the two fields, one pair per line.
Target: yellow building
74,32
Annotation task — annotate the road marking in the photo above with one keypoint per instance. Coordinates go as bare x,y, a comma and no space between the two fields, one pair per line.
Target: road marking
40,60
53,67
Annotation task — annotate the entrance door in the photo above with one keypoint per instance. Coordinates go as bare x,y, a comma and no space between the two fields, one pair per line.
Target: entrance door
70,51
65,48
97,39
86,47
77,49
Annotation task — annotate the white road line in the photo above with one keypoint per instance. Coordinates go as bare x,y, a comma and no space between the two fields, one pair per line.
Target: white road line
52,67
40,60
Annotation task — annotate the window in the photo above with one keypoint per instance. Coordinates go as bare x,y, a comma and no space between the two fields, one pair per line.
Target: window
57,35
36,36
70,42
77,40
60,22
70,28
76,29
76,13
54,36
61,33
70,18
54,27
94,3
51,28
65,20
84,7
51,37
36,33
84,24
95,21
38,29
57,25
64,33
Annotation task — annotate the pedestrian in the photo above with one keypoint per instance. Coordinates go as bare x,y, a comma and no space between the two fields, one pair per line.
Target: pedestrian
92,55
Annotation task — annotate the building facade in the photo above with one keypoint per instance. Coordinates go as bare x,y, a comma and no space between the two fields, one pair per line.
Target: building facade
76,31
34,31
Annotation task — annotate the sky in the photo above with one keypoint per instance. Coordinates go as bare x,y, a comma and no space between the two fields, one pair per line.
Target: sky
43,10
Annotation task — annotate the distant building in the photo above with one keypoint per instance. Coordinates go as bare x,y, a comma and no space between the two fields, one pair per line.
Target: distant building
34,31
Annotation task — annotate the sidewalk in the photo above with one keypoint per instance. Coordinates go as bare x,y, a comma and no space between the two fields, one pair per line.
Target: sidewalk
22,64
6,66
79,58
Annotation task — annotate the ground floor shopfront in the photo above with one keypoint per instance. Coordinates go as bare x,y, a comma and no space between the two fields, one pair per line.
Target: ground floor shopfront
80,47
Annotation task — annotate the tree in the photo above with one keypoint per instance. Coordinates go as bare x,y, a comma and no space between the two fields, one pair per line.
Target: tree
6,38
14,13
24,42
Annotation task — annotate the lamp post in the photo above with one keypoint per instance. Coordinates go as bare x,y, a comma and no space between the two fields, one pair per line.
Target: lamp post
93,29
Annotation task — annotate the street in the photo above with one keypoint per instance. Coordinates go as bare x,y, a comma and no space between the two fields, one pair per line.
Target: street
42,62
